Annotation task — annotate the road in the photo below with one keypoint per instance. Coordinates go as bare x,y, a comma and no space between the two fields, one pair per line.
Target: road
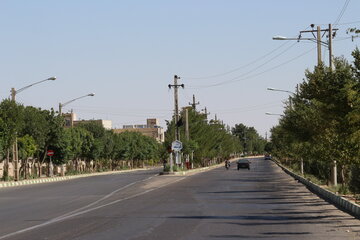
263,203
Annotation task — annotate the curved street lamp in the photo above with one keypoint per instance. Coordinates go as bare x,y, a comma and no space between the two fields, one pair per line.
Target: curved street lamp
61,105
15,148
287,91
14,92
280,90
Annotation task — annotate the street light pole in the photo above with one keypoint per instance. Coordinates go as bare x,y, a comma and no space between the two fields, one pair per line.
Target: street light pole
317,39
61,105
280,90
15,146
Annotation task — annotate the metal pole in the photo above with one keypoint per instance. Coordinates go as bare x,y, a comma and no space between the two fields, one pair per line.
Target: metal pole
318,38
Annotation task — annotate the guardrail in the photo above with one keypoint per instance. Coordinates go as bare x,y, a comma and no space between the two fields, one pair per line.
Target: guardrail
338,201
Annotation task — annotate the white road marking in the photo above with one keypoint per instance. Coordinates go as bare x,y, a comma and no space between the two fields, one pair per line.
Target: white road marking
67,216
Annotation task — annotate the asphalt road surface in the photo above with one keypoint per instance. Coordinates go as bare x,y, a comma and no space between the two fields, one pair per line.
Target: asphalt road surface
263,203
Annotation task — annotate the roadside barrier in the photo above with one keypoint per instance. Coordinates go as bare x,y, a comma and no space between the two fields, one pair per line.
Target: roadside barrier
338,201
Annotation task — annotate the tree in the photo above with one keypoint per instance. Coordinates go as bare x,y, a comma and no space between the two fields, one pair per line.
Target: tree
11,120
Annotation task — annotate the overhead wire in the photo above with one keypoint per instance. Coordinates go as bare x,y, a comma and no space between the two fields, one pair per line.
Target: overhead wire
251,76
237,68
341,12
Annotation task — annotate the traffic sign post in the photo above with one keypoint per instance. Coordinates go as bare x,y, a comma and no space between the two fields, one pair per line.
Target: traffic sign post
50,153
176,146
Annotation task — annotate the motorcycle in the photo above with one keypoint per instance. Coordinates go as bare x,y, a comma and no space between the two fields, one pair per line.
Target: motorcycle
227,165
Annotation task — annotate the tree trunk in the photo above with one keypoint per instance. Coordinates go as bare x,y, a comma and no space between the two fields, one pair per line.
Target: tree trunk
343,177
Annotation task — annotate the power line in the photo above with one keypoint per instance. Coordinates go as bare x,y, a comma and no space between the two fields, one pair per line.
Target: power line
348,23
251,76
341,12
238,68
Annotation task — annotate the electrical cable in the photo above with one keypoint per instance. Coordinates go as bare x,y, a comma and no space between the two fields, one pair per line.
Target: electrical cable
341,12
251,76
238,68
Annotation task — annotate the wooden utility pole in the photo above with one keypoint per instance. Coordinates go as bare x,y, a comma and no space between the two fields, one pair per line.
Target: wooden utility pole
317,38
318,41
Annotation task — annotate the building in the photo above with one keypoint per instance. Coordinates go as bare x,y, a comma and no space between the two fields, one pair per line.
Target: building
151,129
70,121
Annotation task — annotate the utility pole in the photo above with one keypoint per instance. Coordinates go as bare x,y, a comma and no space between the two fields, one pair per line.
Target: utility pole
176,86
318,41
206,112
187,135
317,38
330,46
194,103
176,113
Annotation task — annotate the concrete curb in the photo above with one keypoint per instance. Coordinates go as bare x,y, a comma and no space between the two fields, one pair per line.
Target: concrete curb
338,201
195,170
58,179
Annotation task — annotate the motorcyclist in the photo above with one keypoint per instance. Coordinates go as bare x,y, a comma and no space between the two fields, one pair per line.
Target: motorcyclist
227,164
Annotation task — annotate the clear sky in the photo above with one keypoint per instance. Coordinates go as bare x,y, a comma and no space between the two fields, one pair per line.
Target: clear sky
127,53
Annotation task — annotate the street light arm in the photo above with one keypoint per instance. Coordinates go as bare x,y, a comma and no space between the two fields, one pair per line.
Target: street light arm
287,38
280,90
26,87
274,114
66,103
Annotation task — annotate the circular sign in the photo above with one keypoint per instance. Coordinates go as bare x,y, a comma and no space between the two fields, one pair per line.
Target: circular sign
50,152
176,146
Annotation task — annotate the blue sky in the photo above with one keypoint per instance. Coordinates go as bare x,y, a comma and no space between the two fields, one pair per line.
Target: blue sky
127,52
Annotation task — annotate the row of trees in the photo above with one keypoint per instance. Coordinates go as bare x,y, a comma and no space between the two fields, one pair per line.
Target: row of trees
90,147
250,139
39,130
322,125
212,141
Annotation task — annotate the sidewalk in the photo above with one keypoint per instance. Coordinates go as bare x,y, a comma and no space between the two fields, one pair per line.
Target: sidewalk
338,201
58,179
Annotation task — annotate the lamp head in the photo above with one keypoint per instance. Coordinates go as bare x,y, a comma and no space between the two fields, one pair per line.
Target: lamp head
51,78
279,38
91,94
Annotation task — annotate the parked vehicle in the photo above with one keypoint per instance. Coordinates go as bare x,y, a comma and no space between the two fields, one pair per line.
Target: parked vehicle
243,163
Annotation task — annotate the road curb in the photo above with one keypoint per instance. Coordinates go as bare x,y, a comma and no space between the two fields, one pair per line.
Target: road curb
336,200
58,179
195,170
